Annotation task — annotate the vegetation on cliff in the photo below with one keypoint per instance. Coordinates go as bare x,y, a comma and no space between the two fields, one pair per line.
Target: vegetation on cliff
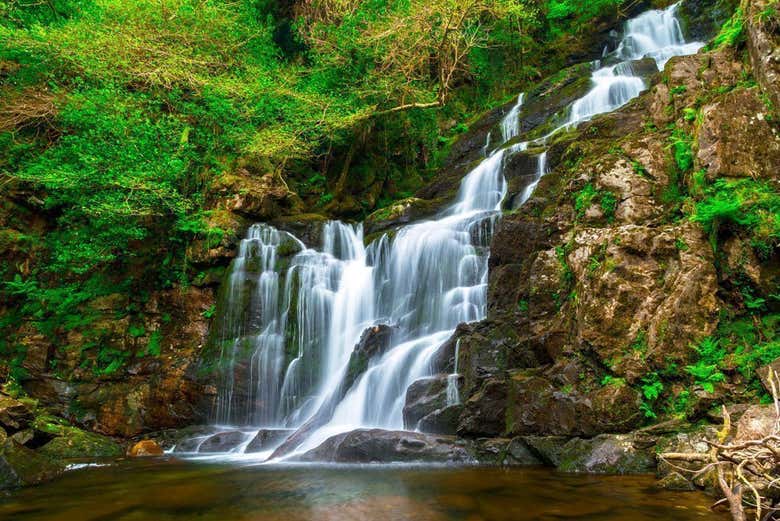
120,122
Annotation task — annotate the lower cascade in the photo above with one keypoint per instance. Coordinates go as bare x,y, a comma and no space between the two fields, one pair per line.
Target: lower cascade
293,314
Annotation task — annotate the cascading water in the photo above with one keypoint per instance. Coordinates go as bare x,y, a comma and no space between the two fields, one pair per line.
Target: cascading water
299,311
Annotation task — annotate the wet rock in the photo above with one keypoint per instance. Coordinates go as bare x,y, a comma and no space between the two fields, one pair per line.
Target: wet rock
423,397
675,481
484,413
267,439
145,448
381,446
399,213
374,342
442,421
306,227
503,451
607,454
223,441
20,466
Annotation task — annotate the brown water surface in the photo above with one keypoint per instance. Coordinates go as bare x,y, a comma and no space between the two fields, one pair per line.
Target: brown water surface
169,490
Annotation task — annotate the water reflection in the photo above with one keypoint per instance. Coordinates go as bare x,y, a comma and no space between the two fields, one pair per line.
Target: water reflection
179,491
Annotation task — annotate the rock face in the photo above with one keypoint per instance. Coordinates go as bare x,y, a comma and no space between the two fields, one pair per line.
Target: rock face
601,283
378,446
764,46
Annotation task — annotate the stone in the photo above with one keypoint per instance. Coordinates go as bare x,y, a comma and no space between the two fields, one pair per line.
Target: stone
687,441
606,454
547,449
373,343
382,446
736,139
20,466
223,441
14,415
756,423
423,397
256,195
76,443
267,439
675,481
441,421
484,413
764,48
145,448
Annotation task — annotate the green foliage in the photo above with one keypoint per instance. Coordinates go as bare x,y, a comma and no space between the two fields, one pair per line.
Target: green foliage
681,149
651,389
732,33
753,207
210,312
570,15
588,196
706,371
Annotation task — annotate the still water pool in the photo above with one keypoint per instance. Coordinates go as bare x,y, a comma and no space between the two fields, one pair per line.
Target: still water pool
171,490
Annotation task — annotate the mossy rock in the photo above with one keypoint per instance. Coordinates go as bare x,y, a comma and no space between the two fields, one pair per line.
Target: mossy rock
607,454
81,444
20,466
72,442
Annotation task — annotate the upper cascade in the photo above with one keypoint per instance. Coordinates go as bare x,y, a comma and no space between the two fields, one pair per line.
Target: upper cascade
292,315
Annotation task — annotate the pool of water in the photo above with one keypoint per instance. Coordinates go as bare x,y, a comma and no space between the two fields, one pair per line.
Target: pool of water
163,490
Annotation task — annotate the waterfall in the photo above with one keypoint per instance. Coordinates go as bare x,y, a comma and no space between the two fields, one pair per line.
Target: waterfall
653,34
510,125
299,311
453,396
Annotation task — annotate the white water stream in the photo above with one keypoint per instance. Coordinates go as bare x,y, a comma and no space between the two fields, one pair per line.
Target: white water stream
292,324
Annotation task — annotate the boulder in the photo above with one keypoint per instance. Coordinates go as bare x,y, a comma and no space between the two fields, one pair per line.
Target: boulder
537,405
373,343
608,454
686,441
547,449
223,441
503,451
145,448
441,421
756,423
382,446
763,373
267,439
71,442
484,413
423,397
20,466
255,195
